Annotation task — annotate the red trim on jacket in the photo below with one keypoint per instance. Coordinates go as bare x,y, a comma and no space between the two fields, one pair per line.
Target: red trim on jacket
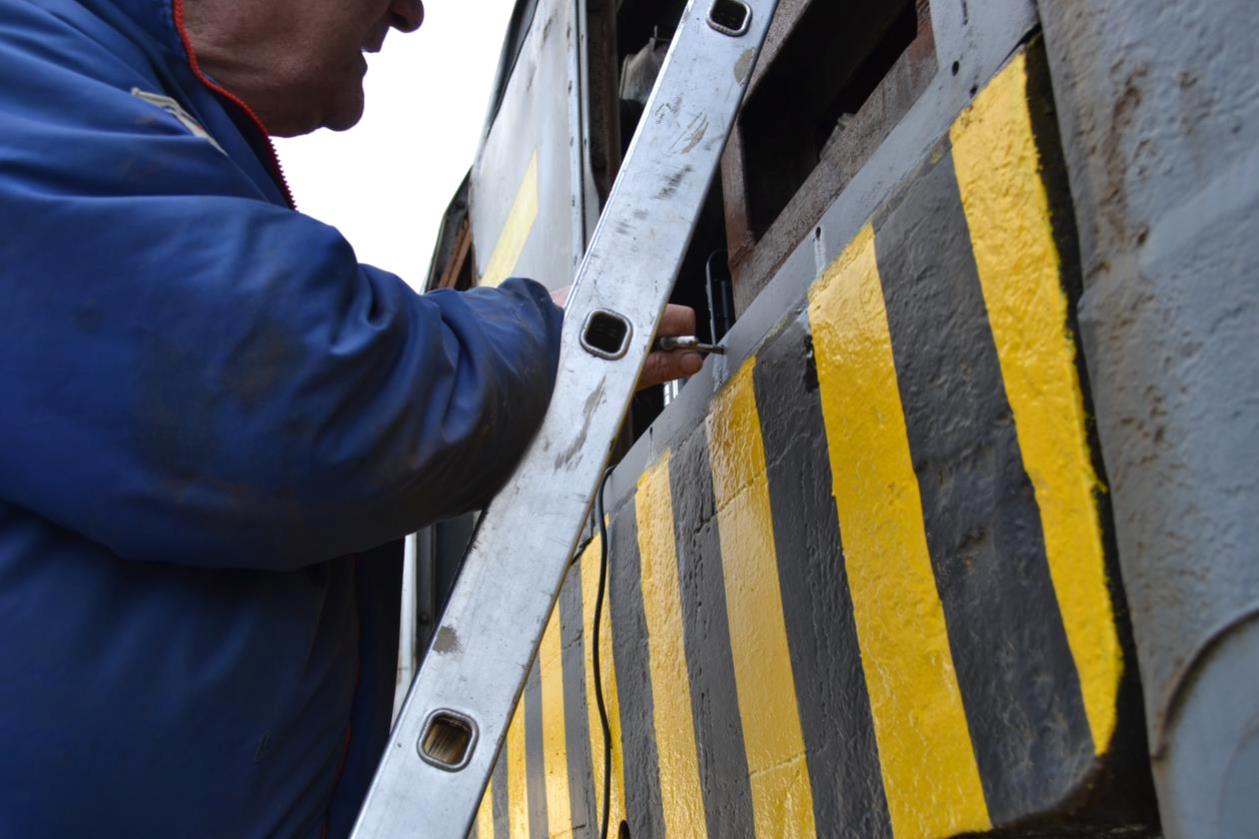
277,171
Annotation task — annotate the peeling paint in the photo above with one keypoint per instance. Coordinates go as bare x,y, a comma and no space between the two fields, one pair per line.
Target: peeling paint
446,642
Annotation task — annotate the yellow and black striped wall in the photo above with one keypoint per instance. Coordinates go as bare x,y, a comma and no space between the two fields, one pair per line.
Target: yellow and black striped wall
869,591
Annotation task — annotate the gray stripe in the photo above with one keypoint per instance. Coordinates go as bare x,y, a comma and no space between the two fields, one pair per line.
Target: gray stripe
502,822
535,765
1017,676
723,768
843,756
581,786
644,811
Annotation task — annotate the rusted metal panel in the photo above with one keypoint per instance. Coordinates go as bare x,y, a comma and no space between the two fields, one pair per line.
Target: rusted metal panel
460,263
448,249
603,107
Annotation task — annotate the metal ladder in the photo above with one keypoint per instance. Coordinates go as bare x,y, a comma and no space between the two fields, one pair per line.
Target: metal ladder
443,747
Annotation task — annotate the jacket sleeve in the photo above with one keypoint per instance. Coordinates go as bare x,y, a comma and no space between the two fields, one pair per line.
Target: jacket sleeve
191,374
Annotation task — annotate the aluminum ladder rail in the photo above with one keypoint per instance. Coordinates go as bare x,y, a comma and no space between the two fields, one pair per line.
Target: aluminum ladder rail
443,747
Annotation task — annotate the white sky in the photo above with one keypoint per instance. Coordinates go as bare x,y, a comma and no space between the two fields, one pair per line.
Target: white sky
386,182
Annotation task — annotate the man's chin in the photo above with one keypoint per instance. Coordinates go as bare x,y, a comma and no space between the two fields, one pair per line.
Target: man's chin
346,113
337,114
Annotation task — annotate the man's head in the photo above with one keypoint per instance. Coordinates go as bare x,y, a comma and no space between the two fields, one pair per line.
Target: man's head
298,63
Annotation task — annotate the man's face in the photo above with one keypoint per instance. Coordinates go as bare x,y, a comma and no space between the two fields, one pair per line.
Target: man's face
327,47
298,63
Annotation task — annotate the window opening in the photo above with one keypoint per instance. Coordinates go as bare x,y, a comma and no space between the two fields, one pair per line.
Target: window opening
806,103
830,87
460,272
644,32
454,259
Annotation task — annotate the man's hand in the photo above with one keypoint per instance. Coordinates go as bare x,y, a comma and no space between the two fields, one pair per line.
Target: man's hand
665,366
661,366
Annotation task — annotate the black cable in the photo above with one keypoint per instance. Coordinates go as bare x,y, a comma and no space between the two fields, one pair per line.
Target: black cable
599,596
603,710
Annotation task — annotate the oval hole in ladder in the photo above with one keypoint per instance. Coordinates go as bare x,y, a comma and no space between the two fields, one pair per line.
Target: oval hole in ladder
730,17
606,334
447,740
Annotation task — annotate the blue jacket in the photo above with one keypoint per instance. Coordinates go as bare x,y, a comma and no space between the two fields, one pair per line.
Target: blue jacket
215,424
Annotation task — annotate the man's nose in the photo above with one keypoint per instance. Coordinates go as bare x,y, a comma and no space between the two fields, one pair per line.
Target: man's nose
406,15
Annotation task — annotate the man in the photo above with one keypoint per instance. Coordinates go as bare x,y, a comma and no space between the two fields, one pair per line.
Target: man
214,423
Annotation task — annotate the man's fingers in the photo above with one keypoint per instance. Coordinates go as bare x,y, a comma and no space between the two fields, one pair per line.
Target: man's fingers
690,363
677,320
664,367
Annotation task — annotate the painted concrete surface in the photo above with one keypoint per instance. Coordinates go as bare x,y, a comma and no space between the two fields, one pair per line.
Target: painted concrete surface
863,589
930,775
782,797
1159,110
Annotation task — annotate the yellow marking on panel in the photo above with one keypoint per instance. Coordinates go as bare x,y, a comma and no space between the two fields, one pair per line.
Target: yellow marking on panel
929,770
1007,209
559,814
517,792
520,219
670,684
612,704
782,797
485,814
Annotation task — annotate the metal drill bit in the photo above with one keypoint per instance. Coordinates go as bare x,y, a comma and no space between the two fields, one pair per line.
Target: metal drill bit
665,343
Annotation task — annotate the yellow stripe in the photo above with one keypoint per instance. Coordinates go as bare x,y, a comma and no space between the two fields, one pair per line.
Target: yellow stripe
670,685
929,771
1007,209
517,795
520,219
589,591
485,814
559,814
782,798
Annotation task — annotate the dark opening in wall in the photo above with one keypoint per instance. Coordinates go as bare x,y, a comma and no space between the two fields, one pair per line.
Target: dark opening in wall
833,81
644,32
638,21
460,272
701,275
832,62
453,264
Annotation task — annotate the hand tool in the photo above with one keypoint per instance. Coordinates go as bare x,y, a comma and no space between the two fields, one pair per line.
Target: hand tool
667,343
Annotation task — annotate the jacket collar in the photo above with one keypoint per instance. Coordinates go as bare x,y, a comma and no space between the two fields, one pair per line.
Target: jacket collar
161,22
154,18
